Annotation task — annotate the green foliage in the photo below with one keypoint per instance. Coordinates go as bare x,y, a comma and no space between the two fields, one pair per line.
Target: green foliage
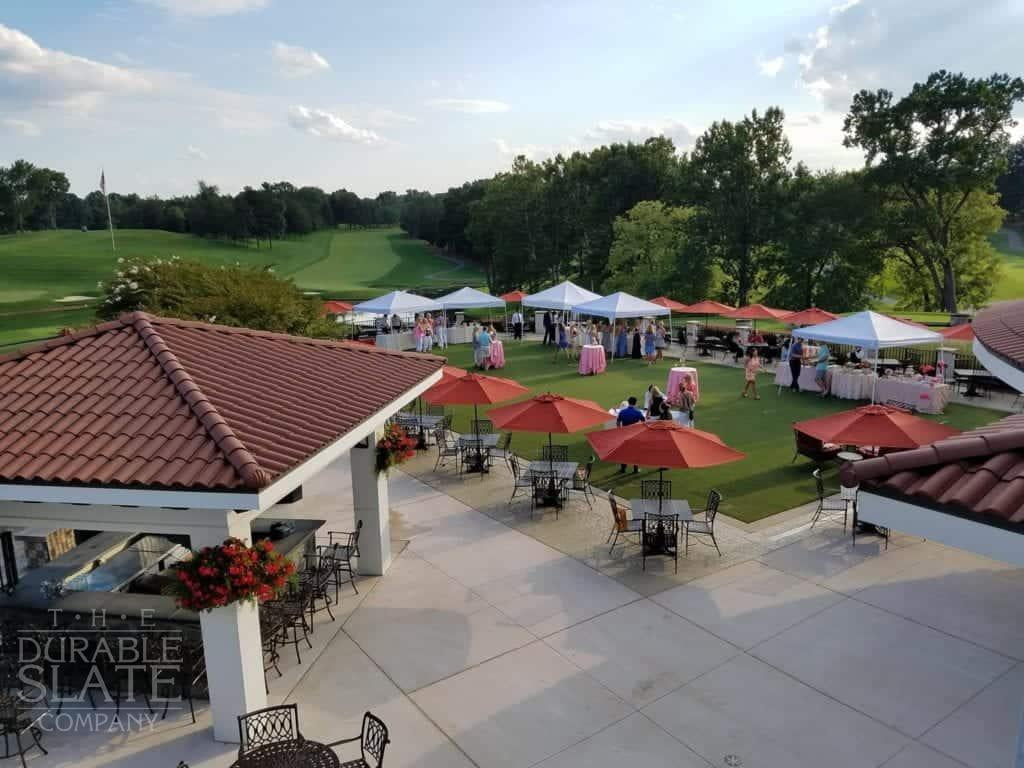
228,294
1011,184
653,254
930,154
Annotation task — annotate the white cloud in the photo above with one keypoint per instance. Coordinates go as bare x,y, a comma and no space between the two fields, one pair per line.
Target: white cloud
294,61
639,130
383,117
33,75
530,151
207,8
24,127
192,152
317,122
771,67
471,106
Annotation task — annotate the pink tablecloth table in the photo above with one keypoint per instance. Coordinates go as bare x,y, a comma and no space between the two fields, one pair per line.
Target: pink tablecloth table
675,378
592,359
497,354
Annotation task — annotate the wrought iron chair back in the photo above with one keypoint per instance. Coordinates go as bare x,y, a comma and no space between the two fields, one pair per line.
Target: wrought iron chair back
656,489
270,725
373,740
714,499
554,453
481,426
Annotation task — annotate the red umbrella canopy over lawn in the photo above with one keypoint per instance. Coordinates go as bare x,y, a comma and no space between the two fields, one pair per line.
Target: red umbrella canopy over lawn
662,444
962,332
757,312
876,425
474,389
549,413
708,307
513,296
670,304
810,316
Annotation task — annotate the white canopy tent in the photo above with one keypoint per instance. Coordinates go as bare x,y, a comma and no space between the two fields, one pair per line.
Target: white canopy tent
870,330
621,305
563,296
468,298
398,303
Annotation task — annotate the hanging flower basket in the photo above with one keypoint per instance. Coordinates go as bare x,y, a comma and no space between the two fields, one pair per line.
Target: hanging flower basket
394,448
232,572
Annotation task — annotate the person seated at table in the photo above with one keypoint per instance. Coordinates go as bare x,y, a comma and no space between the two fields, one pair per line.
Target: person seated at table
750,371
636,350
655,401
665,414
627,416
755,338
821,370
621,341
733,344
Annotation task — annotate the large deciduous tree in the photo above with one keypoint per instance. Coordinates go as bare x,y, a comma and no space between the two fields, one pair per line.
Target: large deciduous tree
930,153
1011,184
736,175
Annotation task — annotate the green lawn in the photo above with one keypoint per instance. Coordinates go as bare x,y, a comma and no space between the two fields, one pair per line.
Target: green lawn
1011,282
764,483
41,267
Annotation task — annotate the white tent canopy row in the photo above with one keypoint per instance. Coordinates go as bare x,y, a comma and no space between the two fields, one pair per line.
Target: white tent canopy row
869,330
620,305
469,298
564,296
398,303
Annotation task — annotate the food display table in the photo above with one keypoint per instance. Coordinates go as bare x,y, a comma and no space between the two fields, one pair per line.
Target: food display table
497,354
926,395
592,359
675,378
852,384
807,382
397,341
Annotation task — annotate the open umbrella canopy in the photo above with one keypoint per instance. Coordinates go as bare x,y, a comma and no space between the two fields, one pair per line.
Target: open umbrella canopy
809,316
549,413
708,307
336,307
662,444
962,332
876,425
757,312
514,297
449,373
670,304
474,389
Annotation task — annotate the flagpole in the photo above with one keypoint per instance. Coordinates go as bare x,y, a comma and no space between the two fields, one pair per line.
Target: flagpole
106,199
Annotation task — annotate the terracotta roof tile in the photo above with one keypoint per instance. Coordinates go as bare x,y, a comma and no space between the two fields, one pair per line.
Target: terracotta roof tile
979,473
1000,329
176,404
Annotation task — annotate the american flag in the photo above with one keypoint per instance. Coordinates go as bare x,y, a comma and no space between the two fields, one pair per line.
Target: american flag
103,182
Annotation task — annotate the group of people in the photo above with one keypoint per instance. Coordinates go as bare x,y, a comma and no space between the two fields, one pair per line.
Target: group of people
658,407
428,330
796,353
637,341
483,337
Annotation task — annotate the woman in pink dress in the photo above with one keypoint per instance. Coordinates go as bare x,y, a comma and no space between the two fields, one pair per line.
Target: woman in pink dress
750,370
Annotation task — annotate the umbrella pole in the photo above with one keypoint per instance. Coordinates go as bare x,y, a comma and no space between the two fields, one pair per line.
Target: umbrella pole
661,479
476,435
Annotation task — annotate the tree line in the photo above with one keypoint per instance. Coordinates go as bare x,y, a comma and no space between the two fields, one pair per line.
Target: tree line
35,198
737,218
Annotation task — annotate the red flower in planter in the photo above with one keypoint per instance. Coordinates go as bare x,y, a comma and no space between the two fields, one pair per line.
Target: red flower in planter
230,572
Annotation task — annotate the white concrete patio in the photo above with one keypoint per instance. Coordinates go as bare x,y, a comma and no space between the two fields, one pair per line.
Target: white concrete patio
483,646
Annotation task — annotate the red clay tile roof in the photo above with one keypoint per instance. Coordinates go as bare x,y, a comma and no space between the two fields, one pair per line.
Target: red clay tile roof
153,402
1000,329
979,473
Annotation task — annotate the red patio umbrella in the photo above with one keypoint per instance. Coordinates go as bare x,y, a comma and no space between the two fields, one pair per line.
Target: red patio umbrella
662,444
549,413
514,296
757,312
809,316
474,389
876,425
336,307
708,307
670,304
962,332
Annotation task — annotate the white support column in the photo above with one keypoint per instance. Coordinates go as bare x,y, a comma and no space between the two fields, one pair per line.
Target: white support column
370,499
231,644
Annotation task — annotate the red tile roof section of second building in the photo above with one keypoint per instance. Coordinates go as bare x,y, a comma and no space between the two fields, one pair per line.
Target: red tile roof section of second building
153,402
1000,329
978,473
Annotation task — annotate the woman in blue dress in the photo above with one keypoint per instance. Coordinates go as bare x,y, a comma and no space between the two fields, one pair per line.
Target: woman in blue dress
621,341
649,342
563,342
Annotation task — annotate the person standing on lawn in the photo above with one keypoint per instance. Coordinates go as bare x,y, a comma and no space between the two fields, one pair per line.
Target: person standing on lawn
796,361
750,371
649,341
563,342
517,325
627,416
549,329
821,370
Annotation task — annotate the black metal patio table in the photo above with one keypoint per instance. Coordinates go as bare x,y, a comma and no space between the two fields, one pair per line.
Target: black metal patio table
562,471
296,753
656,511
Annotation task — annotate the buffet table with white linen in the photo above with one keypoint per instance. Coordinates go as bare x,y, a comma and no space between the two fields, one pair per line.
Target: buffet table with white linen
396,341
851,383
927,395
807,382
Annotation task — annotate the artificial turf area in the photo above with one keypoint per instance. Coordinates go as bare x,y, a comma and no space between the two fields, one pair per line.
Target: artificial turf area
763,484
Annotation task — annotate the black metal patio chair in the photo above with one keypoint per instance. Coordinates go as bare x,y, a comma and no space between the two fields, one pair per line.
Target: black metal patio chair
373,740
702,523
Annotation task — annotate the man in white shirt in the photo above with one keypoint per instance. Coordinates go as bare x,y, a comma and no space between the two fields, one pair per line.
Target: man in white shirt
517,325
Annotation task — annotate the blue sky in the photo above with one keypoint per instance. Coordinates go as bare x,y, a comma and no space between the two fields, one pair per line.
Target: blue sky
396,95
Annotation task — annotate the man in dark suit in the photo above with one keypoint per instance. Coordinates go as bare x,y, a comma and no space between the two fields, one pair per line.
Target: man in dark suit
549,328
